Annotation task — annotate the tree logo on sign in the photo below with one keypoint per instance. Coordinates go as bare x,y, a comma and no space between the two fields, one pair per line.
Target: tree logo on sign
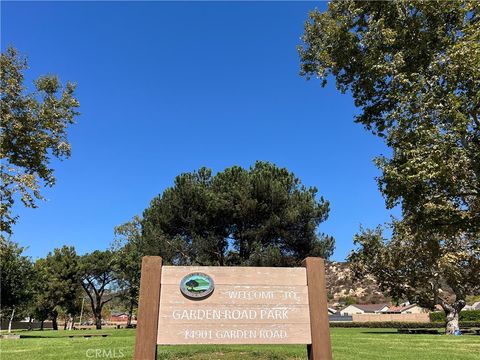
197,286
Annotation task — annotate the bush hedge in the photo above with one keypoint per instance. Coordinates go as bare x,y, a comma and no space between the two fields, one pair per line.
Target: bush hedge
467,315
399,325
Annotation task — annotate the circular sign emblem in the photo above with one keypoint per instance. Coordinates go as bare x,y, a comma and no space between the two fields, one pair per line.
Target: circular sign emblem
197,285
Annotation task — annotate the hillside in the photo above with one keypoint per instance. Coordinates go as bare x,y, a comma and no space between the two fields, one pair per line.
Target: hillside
342,290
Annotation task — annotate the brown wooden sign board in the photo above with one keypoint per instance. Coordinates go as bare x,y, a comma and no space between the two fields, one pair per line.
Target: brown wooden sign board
232,305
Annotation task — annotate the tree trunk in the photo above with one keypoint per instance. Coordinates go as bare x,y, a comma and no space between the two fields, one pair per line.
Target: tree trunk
130,314
98,317
11,320
54,322
41,325
451,324
71,319
452,313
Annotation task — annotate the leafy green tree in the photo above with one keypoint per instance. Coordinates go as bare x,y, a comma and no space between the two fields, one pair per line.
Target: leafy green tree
33,130
423,268
57,284
43,297
98,277
262,216
128,250
15,274
412,68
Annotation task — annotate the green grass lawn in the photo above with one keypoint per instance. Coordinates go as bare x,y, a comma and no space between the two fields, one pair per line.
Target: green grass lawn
348,344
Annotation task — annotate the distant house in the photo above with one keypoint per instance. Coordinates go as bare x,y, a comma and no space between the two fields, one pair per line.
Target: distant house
118,317
409,309
363,309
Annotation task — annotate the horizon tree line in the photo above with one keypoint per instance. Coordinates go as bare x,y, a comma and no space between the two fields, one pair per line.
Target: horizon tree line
58,284
262,216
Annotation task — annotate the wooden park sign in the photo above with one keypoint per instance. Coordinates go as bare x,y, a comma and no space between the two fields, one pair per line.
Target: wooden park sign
232,305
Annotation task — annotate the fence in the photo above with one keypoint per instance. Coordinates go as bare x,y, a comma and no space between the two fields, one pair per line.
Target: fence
339,318
24,325
422,317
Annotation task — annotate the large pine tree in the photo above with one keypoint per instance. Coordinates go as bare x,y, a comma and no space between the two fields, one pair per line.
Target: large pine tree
260,216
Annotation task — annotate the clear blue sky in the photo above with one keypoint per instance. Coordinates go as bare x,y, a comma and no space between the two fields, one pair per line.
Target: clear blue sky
167,88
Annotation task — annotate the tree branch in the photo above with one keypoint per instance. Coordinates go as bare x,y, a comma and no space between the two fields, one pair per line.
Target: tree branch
106,301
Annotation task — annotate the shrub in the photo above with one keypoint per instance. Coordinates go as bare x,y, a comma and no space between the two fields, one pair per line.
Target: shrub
399,325
437,316
470,315
467,315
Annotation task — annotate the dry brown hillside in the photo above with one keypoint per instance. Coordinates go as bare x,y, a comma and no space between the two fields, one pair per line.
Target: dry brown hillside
341,289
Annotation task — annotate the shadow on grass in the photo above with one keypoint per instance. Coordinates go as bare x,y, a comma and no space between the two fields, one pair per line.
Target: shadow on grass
73,336
381,332
395,332
35,336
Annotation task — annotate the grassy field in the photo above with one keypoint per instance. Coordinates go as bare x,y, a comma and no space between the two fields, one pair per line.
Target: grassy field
347,344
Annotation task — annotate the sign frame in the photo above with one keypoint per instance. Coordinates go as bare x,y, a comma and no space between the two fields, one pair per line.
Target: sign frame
149,309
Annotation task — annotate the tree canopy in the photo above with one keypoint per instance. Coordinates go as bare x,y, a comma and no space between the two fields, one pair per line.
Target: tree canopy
128,250
259,216
412,69
57,284
15,273
15,269
33,130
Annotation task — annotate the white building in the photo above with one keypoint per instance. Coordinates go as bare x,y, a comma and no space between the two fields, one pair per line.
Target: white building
363,309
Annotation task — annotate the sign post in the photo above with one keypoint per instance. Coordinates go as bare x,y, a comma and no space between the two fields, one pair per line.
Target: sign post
148,308
320,348
232,305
